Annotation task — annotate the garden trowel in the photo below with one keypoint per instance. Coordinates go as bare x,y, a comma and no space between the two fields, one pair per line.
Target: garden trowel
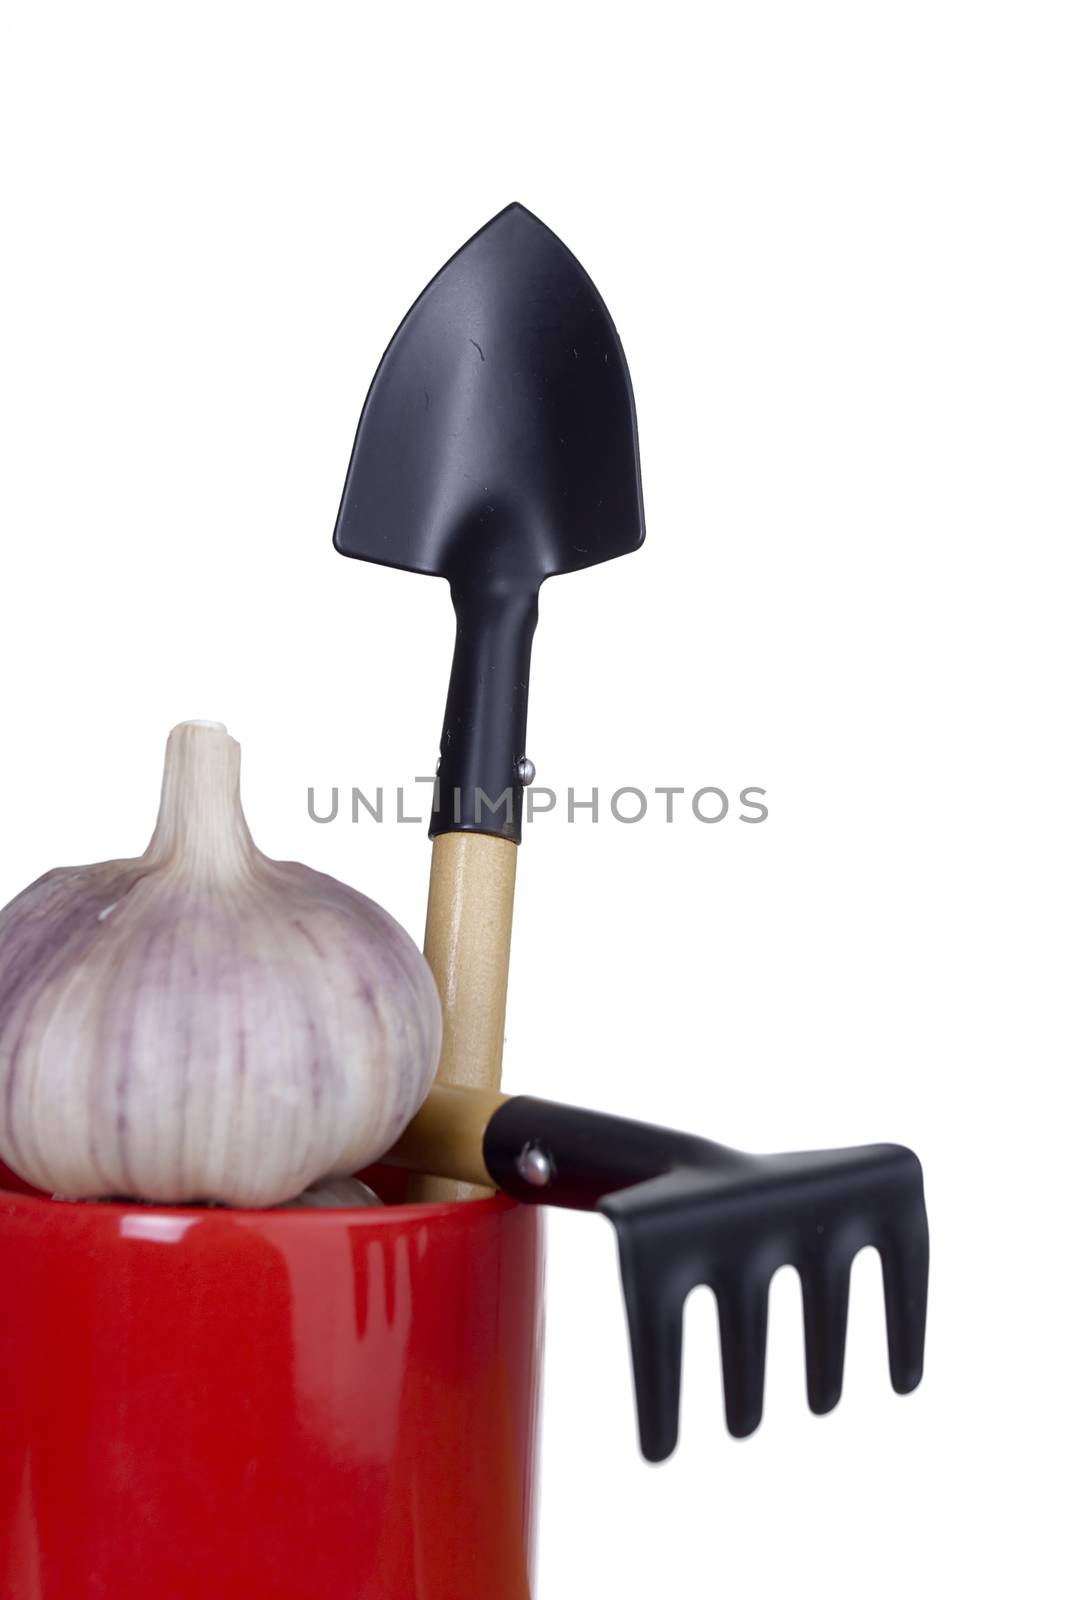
497,448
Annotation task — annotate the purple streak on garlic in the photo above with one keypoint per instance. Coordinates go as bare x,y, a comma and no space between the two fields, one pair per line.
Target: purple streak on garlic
201,1022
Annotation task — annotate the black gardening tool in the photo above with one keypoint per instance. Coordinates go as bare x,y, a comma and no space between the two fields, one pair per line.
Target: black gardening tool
497,447
690,1212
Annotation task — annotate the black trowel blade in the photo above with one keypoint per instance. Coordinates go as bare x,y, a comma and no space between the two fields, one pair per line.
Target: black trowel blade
498,442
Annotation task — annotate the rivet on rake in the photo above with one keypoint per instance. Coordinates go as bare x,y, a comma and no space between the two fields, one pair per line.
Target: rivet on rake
534,1166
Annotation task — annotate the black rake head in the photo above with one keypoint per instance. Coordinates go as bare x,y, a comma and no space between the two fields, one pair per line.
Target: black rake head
731,1227
690,1212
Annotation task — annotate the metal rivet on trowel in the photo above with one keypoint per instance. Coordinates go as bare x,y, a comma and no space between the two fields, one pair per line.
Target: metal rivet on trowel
525,771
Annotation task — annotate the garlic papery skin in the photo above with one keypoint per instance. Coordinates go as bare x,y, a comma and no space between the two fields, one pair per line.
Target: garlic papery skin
201,1022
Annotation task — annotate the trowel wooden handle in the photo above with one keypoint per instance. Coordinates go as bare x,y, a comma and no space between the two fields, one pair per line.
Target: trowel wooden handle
468,945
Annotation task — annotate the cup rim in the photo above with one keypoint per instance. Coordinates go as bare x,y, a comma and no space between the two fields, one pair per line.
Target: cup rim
17,1197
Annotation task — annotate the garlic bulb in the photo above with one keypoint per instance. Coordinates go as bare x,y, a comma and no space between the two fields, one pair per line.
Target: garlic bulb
201,1022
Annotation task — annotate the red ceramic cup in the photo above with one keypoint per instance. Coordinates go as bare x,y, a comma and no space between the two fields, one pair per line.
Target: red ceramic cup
200,1404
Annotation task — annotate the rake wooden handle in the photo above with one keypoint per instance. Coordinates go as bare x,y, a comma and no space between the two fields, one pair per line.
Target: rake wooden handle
468,946
447,1135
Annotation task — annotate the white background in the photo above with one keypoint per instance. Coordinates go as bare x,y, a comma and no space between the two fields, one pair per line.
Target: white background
832,237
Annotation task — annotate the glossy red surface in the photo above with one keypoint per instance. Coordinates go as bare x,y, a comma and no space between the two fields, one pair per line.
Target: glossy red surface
203,1404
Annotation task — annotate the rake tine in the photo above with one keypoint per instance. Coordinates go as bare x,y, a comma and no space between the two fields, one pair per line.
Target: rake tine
825,1285
743,1338
905,1264
654,1311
